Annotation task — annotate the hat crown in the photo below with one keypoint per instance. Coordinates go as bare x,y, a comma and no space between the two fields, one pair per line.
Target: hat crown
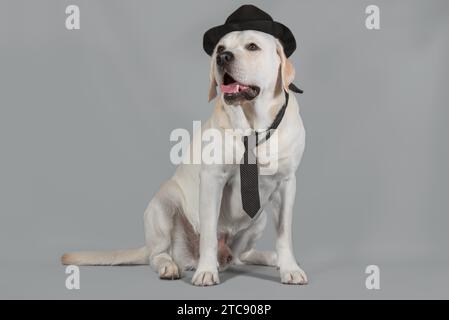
248,12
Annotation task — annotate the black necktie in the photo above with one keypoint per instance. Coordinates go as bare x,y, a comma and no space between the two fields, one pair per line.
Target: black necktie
249,171
249,177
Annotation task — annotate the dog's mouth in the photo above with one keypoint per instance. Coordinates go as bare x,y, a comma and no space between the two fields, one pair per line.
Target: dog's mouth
234,90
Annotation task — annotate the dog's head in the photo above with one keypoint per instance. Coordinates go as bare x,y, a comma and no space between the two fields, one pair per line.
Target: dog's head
246,64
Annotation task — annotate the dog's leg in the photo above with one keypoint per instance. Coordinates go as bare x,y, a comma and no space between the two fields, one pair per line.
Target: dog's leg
212,180
159,221
283,201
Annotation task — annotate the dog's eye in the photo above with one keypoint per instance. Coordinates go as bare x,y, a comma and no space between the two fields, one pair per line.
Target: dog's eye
220,49
252,46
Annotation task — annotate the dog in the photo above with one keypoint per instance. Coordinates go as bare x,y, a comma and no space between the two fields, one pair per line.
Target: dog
196,220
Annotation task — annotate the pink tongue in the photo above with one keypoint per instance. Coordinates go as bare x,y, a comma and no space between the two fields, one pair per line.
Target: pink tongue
233,88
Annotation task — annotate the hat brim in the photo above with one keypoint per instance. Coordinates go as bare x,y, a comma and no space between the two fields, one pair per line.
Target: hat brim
276,29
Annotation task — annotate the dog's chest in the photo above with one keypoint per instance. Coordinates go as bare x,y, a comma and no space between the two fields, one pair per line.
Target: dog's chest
232,216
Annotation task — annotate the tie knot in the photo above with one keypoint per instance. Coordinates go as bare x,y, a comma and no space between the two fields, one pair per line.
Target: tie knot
250,142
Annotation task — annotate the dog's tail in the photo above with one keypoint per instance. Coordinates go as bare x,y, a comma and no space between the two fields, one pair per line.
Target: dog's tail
107,258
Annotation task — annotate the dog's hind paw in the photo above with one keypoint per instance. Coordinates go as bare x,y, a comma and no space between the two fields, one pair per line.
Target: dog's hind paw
205,278
169,271
294,277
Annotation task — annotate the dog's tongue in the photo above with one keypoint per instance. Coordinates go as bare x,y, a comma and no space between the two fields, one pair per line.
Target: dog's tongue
233,87
230,88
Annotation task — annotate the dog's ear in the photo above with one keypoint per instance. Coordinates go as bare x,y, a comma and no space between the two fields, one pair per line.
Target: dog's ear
213,82
287,68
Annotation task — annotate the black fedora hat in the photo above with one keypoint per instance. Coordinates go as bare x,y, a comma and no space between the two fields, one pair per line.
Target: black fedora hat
249,17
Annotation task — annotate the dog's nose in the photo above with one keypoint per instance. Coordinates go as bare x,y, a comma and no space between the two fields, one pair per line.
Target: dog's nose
224,58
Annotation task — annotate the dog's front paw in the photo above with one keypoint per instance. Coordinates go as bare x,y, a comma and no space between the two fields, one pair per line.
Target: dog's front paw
205,277
296,276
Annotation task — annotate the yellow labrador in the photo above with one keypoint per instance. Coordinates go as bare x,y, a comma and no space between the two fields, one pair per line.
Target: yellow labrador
196,220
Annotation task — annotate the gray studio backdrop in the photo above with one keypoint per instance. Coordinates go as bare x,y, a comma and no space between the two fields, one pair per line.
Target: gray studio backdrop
85,119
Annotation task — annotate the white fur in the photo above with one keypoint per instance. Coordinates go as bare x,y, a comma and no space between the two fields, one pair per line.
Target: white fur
207,197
